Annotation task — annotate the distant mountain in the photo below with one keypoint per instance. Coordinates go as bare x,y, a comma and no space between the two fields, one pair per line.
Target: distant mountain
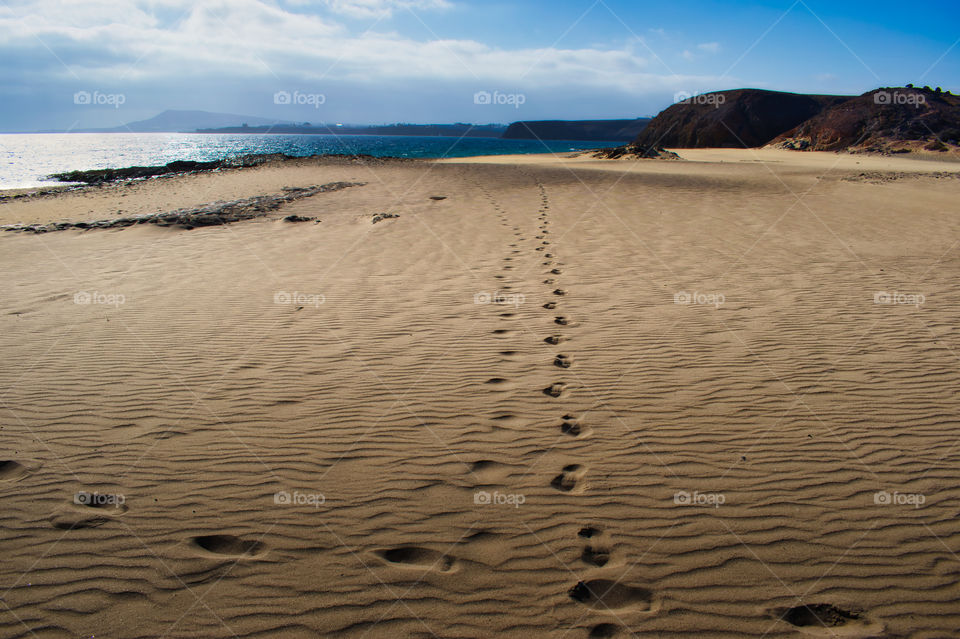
173,121
884,120
605,130
732,119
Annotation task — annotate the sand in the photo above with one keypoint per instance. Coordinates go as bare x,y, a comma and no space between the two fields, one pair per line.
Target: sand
574,398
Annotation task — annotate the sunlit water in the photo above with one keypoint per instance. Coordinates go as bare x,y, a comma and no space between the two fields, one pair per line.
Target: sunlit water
27,159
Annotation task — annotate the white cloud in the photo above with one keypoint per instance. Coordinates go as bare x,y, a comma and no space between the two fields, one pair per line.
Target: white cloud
381,8
709,47
231,40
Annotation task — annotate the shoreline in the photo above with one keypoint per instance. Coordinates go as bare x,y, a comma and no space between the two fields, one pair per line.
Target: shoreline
155,192
94,177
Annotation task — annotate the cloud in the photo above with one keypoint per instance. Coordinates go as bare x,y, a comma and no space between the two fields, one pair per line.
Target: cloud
192,52
381,8
709,47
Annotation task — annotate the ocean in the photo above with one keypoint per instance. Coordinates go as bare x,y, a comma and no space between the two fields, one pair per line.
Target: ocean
27,159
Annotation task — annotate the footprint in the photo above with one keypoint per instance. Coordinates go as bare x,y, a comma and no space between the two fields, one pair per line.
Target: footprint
569,478
596,552
559,291
437,198
556,271
827,620
12,470
571,426
607,594
539,248
488,472
496,380
604,631
550,306
562,321
555,390
562,361
72,520
416,557
88,510
503,331
554,339
102,502
228,546
549,281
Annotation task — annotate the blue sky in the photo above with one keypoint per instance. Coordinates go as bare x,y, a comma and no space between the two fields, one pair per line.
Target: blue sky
375,61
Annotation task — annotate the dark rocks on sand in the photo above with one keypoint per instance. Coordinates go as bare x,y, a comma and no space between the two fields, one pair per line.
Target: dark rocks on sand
635,151
213,214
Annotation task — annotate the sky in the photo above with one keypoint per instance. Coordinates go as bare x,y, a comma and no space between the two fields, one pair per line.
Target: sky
69,64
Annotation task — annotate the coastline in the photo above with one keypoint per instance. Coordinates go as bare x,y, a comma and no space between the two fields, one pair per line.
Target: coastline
165,193
158,190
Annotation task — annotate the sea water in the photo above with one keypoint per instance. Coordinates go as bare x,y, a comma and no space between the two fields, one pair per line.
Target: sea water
27,159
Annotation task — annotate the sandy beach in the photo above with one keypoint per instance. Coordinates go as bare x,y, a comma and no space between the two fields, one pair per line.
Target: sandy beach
552,397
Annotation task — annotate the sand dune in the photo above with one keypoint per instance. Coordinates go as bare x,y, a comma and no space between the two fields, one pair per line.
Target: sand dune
574,398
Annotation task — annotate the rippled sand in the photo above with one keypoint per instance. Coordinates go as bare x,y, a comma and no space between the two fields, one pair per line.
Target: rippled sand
573,398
